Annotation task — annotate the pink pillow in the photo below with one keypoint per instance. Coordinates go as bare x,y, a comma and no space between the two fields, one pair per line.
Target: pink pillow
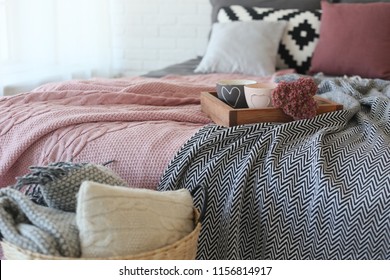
354,40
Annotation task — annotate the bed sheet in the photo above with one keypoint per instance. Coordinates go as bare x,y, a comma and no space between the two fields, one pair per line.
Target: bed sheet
184,68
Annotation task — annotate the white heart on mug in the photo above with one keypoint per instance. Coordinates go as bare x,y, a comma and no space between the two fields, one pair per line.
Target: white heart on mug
230,93
259,101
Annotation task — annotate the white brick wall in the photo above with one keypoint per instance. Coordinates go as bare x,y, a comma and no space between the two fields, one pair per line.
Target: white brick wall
151,34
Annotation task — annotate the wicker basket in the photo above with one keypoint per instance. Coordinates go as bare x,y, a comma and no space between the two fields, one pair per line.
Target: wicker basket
183,249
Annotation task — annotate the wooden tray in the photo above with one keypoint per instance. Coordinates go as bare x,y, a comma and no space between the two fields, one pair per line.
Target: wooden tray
223,114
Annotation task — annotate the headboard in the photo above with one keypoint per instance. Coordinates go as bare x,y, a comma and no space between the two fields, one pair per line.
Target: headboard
309,5
276,4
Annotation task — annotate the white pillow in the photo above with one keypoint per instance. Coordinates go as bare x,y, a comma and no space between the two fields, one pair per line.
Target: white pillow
243,47
300,35
118,221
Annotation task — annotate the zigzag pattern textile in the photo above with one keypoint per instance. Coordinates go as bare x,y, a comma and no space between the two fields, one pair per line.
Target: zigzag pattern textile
299,40
310,189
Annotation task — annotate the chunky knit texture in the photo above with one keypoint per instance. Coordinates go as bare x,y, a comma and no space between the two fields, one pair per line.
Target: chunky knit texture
139,123
117,221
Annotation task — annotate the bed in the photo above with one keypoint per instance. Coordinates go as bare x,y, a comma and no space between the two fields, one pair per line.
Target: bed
310,189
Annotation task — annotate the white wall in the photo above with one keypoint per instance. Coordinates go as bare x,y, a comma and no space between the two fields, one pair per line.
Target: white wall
151,34
146,35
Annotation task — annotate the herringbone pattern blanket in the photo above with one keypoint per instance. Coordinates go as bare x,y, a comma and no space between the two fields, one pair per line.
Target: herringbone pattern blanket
310,189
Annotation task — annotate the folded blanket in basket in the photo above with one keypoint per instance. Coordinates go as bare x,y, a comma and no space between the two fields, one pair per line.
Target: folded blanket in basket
48,230
37,228
117,221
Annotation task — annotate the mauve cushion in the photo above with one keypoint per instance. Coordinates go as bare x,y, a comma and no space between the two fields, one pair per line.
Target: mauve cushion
354,40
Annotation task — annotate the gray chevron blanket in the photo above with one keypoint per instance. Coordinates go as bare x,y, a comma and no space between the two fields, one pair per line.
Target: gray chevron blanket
309,189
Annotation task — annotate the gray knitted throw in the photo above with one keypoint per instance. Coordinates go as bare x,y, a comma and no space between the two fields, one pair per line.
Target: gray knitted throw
57,184
37,228
38,212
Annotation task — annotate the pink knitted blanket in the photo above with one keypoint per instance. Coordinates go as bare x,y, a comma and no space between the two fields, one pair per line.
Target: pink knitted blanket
140,123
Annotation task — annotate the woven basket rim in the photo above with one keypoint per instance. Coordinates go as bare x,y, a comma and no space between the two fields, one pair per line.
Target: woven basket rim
170,251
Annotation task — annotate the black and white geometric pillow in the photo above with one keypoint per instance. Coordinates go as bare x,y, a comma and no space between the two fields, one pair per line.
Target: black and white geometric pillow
299,40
